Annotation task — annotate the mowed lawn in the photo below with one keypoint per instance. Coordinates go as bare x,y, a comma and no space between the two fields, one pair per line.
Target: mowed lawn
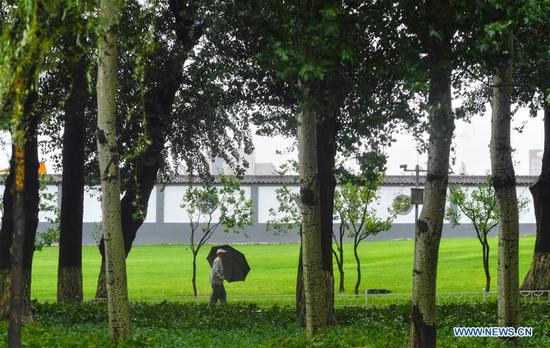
165,270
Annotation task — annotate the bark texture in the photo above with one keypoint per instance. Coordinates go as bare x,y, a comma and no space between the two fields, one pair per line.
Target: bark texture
30,200
326,155
69,272
538,277
430,222
314,274
504,182
108,154
17,249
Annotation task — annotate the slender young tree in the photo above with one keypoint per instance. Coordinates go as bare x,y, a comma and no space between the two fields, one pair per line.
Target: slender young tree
354,203
504,183
203,203
108,154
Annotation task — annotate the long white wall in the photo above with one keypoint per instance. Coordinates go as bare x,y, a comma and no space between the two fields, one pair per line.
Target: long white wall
173,197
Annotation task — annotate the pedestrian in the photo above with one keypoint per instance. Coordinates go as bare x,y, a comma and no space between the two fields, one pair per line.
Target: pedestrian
216,279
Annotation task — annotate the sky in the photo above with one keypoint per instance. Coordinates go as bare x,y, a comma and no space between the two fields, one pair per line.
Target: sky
471,144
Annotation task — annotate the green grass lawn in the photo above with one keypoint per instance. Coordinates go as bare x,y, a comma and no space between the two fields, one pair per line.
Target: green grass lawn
165,270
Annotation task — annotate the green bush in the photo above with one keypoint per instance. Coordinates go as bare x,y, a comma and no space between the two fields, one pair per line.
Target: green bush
247,325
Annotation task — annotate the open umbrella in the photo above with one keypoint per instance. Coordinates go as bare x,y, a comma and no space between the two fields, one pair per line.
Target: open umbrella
235,266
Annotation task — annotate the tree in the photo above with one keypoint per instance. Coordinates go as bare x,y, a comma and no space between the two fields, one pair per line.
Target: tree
538,276
357,98
109,157
26,35
533,89
480,207
504,183
171,81
315,297
203,203
428,43
354,203
285,218
76,47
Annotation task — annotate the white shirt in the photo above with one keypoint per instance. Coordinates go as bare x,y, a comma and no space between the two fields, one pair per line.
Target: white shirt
216,275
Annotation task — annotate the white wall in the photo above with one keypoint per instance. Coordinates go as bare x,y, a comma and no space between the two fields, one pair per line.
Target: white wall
92,206
174,213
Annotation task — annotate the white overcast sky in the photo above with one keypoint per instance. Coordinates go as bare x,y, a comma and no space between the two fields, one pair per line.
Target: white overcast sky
471,144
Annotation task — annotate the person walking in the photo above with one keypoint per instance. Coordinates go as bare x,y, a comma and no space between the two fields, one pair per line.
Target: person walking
216,279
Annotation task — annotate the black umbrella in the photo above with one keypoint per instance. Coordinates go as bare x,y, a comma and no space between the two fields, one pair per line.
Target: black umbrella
235,266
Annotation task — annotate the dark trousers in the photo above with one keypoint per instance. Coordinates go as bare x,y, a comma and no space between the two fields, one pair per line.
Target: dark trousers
218,293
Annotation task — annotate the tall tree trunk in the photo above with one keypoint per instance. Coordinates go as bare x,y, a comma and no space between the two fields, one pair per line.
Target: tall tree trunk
314,274
538,277
17,248
108,154
6,235
358,264
326,155
430,222
504,182
145,168
69,271
31,201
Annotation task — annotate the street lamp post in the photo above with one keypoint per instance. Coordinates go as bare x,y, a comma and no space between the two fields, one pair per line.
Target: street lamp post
417,194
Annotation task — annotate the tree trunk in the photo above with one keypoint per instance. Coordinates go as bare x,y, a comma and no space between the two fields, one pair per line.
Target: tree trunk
108,154
326,154
145,168
341,287
69,272
17,247
6,236
430,222
314,274
300,293
31,201
194,276
485,247
538,277
358,263
504,182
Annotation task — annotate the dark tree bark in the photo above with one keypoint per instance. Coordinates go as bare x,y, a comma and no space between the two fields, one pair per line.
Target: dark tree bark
69,273
485,247
326,155
538,277
30,200
358,263
17,249
5,242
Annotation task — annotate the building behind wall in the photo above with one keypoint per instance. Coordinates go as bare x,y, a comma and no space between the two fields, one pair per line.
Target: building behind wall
535,162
